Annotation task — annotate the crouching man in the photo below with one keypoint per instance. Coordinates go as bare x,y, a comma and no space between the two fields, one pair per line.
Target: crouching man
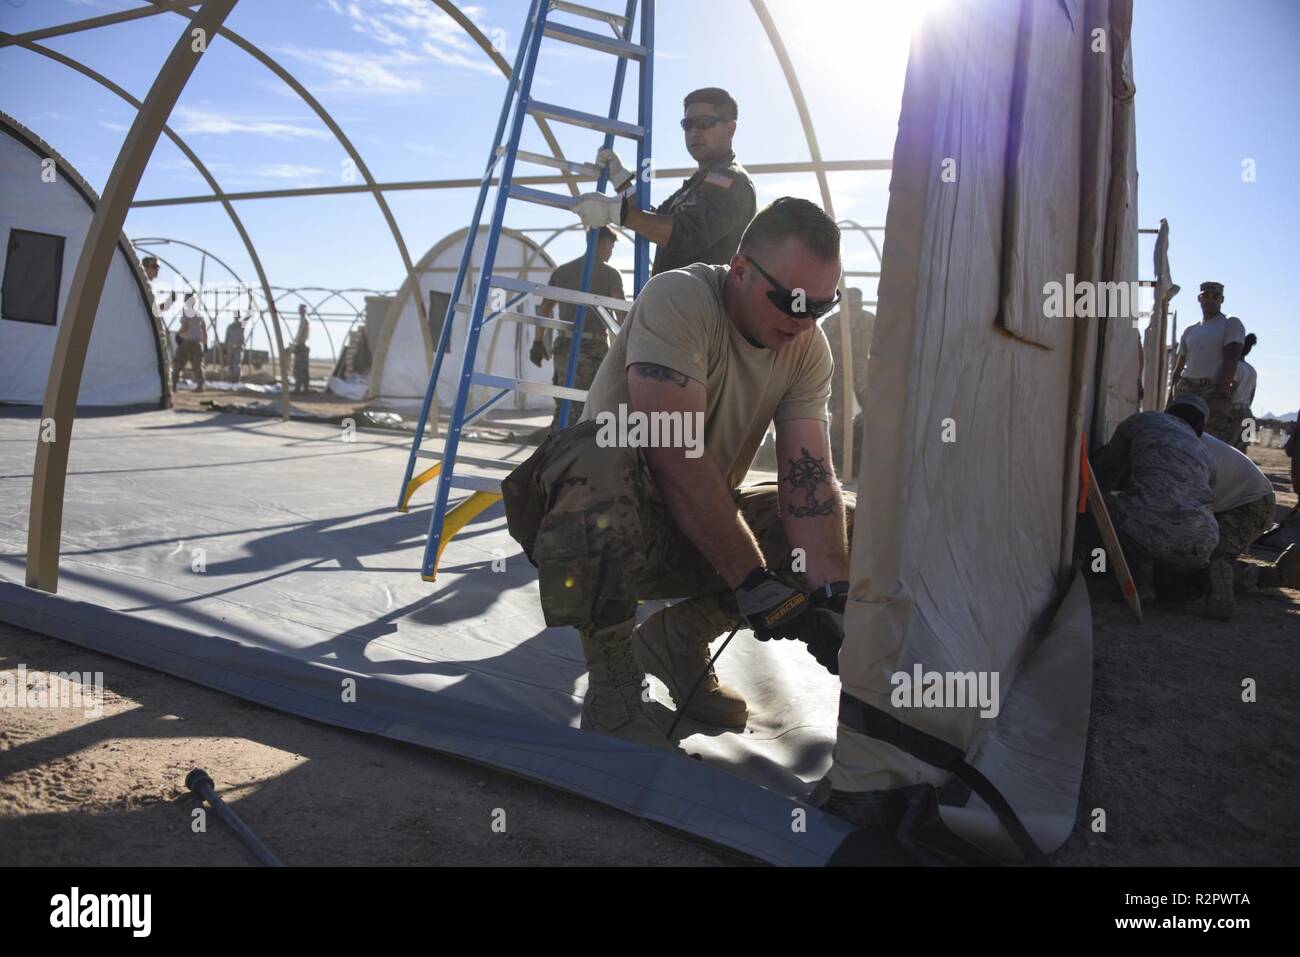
609,518
1158,476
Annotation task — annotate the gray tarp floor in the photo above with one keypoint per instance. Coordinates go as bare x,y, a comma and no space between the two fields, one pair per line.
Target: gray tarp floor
310,577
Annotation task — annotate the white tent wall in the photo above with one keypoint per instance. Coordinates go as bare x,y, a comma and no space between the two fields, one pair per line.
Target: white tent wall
123,365
969,464
405,357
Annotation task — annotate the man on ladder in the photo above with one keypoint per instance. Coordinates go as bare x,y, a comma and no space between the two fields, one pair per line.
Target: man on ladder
703,221
610,520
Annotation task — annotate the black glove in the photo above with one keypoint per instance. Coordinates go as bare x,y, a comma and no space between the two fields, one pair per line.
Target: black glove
828,610
771,607
537,353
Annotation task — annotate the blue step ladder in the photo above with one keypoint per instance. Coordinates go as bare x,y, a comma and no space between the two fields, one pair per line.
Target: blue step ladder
519,103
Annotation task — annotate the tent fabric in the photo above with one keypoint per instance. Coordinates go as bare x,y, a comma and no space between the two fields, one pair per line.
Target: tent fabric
404,357
123,361
962,542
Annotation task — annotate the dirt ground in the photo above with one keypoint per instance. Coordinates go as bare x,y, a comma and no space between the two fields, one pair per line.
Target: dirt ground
1185,771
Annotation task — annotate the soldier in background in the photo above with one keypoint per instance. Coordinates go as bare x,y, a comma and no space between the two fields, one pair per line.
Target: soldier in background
861,326
1157,477
234,347
191,342
1207,358
605,281
1243,395
1243,504
301,354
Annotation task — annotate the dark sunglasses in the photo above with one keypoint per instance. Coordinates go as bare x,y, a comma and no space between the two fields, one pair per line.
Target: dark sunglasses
784,299
701,122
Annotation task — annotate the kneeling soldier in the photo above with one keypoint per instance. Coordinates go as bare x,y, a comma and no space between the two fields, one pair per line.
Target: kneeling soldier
735,348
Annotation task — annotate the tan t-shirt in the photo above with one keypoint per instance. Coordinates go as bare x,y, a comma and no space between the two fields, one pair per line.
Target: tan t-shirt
679,322
605,281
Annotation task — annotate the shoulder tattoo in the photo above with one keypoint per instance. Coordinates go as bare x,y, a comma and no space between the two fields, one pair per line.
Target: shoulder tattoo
649,370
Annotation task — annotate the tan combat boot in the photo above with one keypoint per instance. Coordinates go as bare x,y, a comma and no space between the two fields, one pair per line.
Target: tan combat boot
613,704
678,660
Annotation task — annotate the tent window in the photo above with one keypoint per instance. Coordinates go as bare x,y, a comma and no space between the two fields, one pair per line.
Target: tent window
33,271
437,313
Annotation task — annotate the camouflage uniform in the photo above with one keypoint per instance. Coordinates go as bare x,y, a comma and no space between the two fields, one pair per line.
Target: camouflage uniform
607,540
1157,473
1240,526
861,328
188,352
589,358
1220,424
710,213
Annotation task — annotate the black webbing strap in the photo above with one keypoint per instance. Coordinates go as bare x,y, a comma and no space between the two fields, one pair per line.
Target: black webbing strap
875,723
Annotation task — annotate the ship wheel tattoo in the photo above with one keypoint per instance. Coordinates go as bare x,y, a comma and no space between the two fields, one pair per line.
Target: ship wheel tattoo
807,474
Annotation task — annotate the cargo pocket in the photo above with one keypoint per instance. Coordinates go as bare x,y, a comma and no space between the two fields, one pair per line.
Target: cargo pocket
563,558
525,502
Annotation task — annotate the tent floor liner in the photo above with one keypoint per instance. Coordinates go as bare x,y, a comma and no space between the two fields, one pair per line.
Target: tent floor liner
265,559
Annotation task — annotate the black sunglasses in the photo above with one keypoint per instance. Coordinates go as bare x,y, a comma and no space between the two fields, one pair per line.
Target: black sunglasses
785,299
702,122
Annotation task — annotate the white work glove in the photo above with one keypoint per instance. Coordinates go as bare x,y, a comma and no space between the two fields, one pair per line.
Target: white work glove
597,210
619,175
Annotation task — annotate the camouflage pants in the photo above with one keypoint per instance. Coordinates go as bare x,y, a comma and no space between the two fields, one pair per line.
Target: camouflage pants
1182,538
589,359
301,368
1220,424
1238,414
1240,526
607,541
189,352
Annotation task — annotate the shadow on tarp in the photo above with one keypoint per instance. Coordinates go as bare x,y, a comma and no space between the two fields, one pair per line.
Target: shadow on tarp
660,786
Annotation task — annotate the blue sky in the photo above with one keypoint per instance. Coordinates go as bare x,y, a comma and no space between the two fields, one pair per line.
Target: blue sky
1216,85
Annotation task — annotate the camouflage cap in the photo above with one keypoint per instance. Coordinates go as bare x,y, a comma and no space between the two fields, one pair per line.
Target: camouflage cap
1192,402
1214,288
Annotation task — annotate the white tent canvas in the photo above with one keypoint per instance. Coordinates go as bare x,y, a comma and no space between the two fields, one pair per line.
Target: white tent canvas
404,358
42,196
978,401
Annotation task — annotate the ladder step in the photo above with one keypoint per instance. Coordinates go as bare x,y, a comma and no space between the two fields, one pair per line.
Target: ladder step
564,166
477,483
523,385
615,20
594,41
559,294
524,318
468,459
591,121
542,197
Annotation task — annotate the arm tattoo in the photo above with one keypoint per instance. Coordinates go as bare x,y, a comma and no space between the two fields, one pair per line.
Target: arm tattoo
648,370
810,475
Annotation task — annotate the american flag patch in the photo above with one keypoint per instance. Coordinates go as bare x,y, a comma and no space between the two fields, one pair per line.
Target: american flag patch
718,179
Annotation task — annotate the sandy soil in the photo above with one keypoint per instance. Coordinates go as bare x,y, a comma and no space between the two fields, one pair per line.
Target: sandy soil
1186,772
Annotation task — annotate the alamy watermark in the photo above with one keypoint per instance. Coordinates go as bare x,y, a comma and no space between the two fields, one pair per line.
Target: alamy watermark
53,689
632,429
1091,300
946,689
75,909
